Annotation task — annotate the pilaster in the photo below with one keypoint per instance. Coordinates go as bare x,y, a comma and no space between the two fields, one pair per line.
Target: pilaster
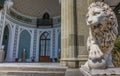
68,35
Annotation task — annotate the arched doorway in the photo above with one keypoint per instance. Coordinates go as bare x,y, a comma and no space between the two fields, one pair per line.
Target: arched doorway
24,46
5,41
44,44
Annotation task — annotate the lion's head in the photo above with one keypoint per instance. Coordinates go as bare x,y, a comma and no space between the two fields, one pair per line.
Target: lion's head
99,13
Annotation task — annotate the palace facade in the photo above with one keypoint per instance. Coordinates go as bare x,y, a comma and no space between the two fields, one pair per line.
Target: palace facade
45,30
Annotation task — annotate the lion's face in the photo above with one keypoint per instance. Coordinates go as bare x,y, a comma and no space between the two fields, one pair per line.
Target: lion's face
95,16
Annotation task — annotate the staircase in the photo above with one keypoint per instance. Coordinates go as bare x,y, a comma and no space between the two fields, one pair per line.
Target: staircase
32,69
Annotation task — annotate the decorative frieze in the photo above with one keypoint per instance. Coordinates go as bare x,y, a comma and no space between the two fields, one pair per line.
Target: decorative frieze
34,43
15,41
53,43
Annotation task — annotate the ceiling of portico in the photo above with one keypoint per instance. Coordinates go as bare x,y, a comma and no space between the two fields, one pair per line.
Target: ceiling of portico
36,8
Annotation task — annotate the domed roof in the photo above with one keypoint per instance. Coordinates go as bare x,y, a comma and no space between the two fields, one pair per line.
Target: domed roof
36,8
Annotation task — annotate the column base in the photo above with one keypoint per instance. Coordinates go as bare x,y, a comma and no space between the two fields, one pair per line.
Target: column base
63,62
74,62
82,59
70,62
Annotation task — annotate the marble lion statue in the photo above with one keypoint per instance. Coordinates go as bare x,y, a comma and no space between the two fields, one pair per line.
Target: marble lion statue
102,24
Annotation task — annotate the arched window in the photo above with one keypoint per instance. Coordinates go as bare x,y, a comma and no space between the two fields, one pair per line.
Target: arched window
45,44
46,16
45,20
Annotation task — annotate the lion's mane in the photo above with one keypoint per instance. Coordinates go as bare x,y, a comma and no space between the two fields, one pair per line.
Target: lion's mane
107,33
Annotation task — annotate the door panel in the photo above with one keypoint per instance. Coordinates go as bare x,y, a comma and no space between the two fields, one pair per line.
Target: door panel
44,54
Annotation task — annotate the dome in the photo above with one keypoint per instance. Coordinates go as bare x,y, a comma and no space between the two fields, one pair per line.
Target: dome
36,8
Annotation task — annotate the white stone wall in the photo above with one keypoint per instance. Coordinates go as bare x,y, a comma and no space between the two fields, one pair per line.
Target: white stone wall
16,29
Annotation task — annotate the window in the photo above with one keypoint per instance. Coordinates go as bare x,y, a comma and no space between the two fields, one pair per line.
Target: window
45,20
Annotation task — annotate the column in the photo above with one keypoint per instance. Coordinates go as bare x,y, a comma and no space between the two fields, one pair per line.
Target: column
68,33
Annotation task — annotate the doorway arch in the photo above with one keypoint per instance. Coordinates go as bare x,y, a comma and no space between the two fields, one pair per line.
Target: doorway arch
5,41
24,44
44,44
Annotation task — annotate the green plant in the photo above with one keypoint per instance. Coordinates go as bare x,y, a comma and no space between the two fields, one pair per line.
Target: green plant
116,53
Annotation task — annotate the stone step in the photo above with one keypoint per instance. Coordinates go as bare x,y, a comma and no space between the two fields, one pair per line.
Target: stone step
31,73
33,68
36,69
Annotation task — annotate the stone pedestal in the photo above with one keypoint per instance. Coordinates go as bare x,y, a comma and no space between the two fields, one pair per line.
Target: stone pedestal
101,72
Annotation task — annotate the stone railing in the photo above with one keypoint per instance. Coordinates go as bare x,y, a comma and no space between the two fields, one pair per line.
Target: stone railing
45,22
57,20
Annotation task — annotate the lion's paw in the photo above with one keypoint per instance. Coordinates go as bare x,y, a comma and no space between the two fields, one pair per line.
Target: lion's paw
95,52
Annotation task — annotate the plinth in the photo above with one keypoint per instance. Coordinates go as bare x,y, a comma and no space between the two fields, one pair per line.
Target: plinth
101,72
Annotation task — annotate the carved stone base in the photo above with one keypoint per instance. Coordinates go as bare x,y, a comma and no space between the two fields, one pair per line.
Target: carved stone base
101,72
70,62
